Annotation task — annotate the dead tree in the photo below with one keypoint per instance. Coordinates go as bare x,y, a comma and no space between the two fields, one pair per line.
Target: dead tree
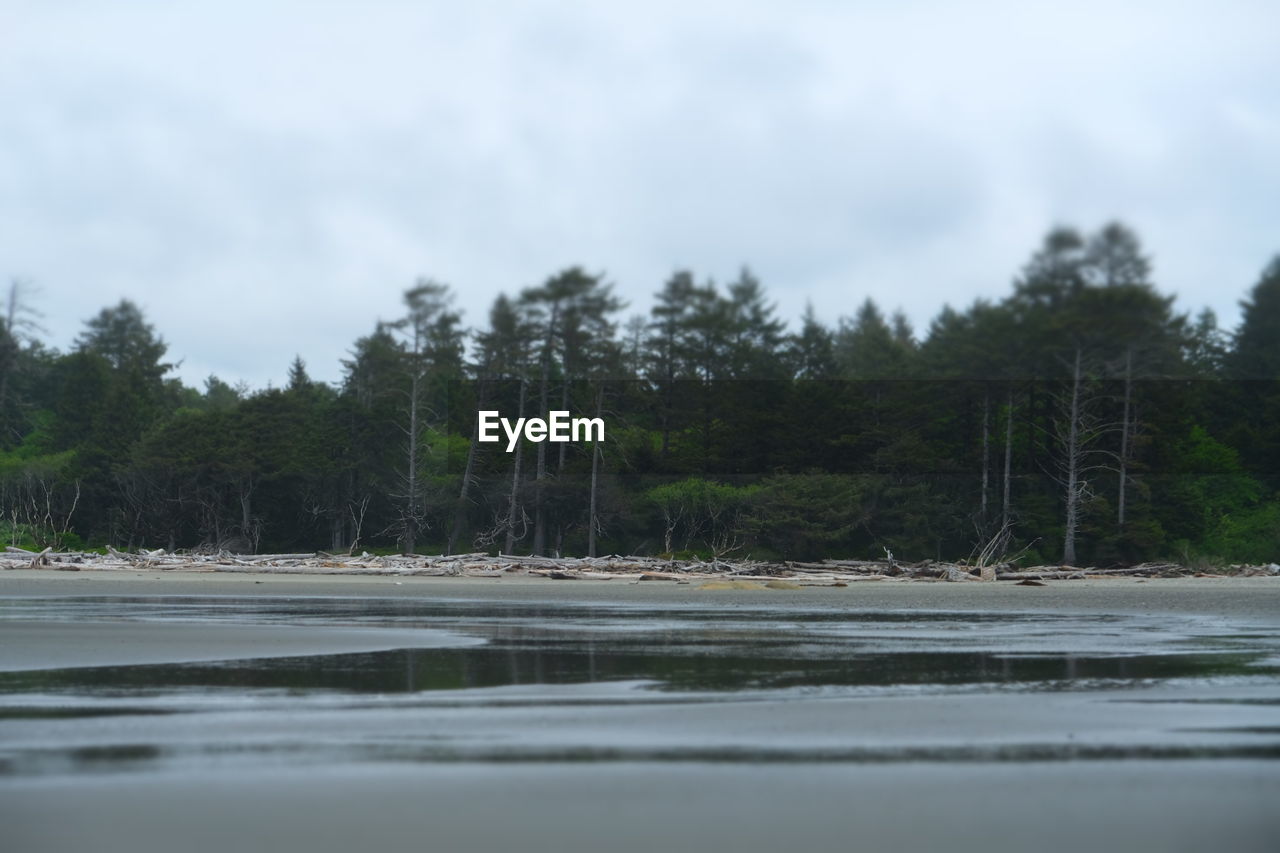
1077,430
1008,458
460,512
1126,429
513,507
593,515
986,452
432,349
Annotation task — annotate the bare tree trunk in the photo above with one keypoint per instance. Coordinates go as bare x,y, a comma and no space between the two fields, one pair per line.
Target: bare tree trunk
245,497
1008,459
411,519
460,514
986,453
9,346
592,517
668,395
1072,460
564,446
1033,425
564,406
539,517
515,480
1124,438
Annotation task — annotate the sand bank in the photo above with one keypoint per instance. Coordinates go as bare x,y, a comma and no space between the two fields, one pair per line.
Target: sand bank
28,645
1253,598
1132,806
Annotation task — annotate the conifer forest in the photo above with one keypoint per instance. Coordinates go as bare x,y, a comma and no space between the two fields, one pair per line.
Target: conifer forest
1080,419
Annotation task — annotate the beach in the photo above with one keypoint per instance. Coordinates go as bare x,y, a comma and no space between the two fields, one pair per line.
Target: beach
1222,596
204,711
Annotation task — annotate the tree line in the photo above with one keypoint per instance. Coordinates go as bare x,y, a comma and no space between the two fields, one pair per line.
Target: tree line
1079,419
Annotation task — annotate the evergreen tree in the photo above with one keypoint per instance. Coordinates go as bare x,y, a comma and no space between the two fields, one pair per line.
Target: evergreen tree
1054,273
126,340
1256,350
868,348
503,352
1206,346
298,381
669,352
431,355
18,350
1254,364
219,396
1057,415
667,344
372,374
756,334
812,349
567,310
1113,257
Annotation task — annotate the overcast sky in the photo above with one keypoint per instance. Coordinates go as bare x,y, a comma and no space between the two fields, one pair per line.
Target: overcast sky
266,179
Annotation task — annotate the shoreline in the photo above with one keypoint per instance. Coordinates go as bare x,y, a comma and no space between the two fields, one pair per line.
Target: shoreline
1254,598
1183,765
27,644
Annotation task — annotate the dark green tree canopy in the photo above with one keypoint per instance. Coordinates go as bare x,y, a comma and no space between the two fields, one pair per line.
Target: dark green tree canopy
869,348
812,349
503,350
1257,341
845,437
125,339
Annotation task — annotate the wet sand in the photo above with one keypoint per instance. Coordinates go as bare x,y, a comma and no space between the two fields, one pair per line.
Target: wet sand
605,766
28,645
1256,598
1134,807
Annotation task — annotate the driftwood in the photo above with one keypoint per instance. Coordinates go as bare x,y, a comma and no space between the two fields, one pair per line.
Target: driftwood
1066,574
636,568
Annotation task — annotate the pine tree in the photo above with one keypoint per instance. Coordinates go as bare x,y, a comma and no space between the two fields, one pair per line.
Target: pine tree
812,349
868,348
298,381
756,334
1256,350
568,310
431,354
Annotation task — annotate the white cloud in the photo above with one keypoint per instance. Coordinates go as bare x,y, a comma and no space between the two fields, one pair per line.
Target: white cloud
268,182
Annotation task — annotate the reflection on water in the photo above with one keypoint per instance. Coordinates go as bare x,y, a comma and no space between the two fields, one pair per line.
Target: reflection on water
708,684
674,668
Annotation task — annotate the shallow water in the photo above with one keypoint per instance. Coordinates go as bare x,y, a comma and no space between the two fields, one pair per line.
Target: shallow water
647,691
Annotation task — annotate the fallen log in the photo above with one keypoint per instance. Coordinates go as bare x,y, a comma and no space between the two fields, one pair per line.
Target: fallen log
1075,574
1144,569
482,564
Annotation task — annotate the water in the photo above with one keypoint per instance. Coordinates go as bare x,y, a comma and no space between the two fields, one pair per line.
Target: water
640,692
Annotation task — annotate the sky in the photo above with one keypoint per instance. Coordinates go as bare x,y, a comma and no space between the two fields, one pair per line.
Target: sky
266,179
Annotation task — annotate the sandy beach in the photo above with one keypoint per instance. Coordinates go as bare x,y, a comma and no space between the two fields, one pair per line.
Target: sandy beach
43,645
1254,598
1174,806
209,712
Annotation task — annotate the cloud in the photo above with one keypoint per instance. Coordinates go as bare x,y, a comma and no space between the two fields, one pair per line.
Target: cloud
267,180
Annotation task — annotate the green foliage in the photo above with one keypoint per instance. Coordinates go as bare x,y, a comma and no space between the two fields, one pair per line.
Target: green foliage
1250,534
867,348
703,512
39,495
126,340
726,434
807,516
1257,345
